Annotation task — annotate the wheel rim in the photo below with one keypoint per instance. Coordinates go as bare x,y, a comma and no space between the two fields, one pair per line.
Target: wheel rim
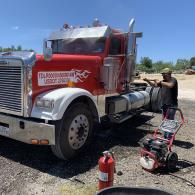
78,131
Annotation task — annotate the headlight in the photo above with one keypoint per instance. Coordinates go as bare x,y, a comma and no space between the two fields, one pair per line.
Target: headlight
45,103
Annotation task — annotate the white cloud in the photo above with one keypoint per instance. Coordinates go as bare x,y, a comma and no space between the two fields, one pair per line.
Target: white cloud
15,27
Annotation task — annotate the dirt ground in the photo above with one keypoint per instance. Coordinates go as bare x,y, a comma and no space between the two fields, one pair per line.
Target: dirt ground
28,169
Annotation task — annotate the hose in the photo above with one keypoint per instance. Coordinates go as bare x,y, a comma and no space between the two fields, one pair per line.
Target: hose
174,175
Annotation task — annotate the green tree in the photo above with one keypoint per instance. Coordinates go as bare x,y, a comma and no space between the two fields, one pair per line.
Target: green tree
19,48
182,64
7,49
13,48
145,65
192,61
146,62
159,65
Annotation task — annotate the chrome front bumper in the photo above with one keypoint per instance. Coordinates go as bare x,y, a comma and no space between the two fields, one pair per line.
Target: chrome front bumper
26,130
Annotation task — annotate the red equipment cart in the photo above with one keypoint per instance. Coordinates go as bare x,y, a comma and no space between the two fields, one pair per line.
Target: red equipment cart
156,151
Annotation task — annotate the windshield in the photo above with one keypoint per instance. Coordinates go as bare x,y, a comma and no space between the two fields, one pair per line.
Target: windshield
79,46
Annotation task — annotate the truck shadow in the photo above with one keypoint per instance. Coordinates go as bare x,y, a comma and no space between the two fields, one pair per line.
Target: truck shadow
120,139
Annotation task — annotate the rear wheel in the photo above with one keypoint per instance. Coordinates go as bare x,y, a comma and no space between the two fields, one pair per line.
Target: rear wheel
73,132
171,161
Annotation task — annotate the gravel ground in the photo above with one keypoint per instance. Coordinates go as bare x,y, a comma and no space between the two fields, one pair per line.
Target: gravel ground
28,169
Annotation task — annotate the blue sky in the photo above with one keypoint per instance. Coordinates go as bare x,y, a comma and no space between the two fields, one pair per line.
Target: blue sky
167,25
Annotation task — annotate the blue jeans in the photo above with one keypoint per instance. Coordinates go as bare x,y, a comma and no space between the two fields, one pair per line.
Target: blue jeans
168,112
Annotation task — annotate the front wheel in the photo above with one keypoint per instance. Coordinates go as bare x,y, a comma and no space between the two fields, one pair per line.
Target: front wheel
73,131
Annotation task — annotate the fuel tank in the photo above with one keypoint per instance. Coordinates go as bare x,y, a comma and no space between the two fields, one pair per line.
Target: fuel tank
127,102
137,99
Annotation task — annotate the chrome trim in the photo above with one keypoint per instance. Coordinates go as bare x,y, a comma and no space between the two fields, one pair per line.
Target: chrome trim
25,60
27,94
32,130
11,62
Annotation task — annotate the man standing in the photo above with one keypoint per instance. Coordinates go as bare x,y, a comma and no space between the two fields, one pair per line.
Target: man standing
169,91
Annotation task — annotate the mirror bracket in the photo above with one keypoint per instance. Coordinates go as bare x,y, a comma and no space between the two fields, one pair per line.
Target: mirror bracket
47,51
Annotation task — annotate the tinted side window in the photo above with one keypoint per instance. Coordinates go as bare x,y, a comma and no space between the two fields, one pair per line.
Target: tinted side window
115,46
54,46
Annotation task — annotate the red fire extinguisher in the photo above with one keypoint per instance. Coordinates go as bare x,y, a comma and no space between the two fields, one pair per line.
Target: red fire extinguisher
106,170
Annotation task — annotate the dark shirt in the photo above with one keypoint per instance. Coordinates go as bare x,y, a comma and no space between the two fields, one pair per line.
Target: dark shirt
169,95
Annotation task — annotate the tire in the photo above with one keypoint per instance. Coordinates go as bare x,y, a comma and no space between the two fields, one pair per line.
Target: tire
171,161
156,100
73,132
149,89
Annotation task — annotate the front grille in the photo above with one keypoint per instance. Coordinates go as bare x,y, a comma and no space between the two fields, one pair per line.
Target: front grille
11,89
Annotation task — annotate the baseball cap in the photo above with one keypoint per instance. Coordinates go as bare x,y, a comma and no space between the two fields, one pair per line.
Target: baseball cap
166,71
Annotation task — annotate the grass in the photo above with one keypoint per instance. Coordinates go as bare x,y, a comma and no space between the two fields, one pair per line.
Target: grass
78,189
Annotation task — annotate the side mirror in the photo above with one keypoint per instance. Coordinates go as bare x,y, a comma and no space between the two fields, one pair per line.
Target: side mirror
47,51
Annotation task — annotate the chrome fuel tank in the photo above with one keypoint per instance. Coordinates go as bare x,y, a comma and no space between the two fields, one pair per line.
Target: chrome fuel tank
137,99
127,102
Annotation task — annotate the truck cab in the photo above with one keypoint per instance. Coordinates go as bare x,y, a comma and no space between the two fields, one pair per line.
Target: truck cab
54,98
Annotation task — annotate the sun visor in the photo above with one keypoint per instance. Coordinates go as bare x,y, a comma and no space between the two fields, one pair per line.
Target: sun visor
74,33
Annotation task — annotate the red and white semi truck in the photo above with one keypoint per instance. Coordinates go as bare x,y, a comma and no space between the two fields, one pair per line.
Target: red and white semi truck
58,97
